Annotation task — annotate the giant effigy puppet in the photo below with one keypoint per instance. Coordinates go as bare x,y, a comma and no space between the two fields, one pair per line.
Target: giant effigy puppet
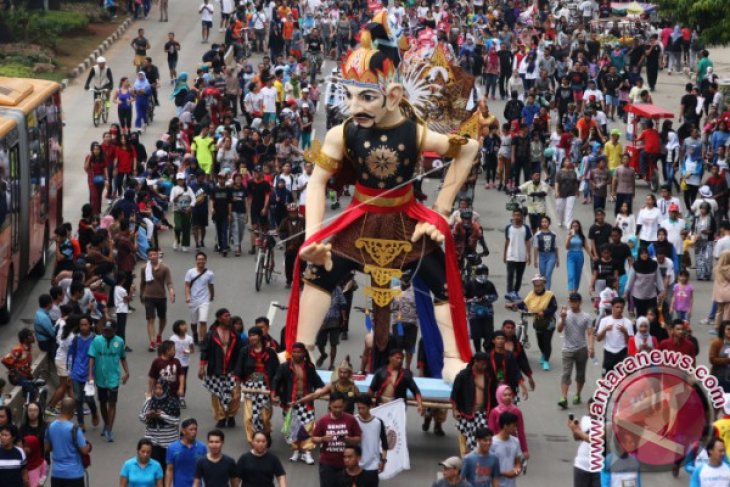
384,232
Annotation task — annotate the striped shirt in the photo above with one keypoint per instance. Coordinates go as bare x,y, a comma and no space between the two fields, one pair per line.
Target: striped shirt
12,464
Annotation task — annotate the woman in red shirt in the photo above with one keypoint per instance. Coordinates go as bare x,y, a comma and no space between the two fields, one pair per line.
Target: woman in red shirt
125,161
95,168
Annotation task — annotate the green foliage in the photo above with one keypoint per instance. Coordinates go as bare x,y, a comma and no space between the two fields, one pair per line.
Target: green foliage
41,27
711,16
16,70
93,11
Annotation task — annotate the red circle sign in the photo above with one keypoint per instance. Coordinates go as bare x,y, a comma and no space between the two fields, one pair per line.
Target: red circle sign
656,415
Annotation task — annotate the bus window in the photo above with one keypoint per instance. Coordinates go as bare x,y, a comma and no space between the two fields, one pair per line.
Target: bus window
4,185
10,187
44,166
34,154
55,130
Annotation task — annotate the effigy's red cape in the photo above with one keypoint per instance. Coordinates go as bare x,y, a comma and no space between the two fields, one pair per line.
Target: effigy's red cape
418,212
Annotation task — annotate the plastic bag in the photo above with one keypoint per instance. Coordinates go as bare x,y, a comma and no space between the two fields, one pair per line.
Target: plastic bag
286,427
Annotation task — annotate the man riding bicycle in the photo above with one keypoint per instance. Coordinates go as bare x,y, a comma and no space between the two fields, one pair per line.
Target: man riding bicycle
315,53
101,76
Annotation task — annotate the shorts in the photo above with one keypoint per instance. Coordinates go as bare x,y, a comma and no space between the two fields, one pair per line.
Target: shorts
61,368
139,60
328,334
108,395
172,63
199,313
269,117
580,359
207,23
406,342
612,100
155,306
225,16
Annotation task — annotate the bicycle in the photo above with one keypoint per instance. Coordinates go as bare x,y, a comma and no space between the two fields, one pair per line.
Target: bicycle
521,329
101,106
150,110
38,392
264,257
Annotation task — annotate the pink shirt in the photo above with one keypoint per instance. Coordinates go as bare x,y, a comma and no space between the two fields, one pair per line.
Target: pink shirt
683,297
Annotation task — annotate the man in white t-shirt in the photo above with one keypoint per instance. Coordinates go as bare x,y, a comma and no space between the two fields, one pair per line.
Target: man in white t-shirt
301,185
722,245
227,9
588,8
199,292
206,17
516,254
268,99
616,330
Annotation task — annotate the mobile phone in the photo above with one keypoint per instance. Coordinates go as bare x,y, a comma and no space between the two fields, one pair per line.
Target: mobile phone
571,417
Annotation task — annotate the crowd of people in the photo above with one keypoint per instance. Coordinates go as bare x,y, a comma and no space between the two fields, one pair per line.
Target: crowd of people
234,154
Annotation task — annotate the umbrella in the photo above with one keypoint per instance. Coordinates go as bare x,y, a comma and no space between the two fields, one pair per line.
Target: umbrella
634,9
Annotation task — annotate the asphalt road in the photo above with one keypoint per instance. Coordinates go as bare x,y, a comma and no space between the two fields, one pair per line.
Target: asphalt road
551,448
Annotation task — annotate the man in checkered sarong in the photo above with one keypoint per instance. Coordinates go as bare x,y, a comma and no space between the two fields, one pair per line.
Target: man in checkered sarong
294,379
256,368
218,355
471,398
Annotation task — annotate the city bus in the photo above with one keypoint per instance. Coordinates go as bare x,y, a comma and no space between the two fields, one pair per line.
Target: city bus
31,180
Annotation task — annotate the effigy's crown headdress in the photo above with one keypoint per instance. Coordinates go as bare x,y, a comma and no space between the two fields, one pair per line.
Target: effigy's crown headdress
368,67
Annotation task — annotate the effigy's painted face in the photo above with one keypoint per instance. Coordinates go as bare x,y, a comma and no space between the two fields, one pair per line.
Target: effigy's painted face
369,106
366,105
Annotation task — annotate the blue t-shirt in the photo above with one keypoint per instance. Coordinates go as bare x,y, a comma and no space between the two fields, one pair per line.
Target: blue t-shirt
183,459
78,357
141,477
480,470
65,459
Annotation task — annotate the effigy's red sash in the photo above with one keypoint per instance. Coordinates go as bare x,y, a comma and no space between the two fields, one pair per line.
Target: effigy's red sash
414,210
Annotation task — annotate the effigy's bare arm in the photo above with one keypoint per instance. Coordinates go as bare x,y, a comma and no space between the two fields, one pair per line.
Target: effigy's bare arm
325,167
457,173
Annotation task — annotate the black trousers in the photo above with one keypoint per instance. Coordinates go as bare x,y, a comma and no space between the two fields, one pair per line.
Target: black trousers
545,342
503,78
610,360
328,476
481,330
583,478
515,271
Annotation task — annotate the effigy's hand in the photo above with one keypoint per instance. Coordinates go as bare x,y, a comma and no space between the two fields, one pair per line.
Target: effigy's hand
427,229
318,254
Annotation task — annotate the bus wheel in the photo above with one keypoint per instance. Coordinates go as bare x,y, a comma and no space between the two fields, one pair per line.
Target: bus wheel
7,309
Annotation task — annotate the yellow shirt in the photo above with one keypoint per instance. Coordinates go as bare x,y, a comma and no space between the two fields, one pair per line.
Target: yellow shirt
613,153
279,87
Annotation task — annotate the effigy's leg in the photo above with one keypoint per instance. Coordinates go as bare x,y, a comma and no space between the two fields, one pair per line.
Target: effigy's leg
316,296
432,270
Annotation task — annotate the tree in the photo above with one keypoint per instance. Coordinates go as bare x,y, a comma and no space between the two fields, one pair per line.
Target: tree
712,17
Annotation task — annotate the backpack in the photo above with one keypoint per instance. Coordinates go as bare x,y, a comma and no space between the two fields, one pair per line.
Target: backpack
85,457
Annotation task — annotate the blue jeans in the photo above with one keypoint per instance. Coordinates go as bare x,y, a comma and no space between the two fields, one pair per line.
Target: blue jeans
80,399
575,268
221,228
546,264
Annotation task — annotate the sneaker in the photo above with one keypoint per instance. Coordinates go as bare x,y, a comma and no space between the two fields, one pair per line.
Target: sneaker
51,411
152,347
705,321
546,366
87,410
128,349
221,424
426,423
563,403
307,458
295,456
508,297
183,404
576,399
159,340
516,296
175,246
231,422
321,360
186,249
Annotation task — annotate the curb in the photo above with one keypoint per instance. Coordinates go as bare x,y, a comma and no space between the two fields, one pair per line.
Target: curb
100,49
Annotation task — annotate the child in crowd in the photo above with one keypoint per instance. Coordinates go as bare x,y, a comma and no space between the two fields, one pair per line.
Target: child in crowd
184,347
682,297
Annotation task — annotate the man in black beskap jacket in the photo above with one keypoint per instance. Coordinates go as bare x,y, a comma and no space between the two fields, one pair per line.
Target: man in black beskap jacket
256,367
472,397
294,379
392,381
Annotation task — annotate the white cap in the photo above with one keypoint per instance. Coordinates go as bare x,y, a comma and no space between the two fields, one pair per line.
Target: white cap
101,59
180,175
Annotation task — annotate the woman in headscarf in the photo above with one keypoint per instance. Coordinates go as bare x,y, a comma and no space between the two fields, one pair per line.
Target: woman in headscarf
721,288
142,90
704,228
645,283
37,466
161,416
642,341
505,396
180,92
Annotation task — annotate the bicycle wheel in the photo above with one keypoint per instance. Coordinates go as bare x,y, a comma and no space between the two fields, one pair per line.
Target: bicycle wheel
269,264
105,111
96,112
259,269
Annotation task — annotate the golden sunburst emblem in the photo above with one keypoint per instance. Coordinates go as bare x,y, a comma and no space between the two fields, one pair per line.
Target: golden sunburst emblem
382,162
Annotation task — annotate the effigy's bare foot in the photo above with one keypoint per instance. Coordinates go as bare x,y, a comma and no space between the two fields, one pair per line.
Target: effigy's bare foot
452,366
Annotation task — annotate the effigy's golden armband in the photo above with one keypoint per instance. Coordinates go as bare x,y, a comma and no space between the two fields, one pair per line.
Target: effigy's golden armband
456,141
327,163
